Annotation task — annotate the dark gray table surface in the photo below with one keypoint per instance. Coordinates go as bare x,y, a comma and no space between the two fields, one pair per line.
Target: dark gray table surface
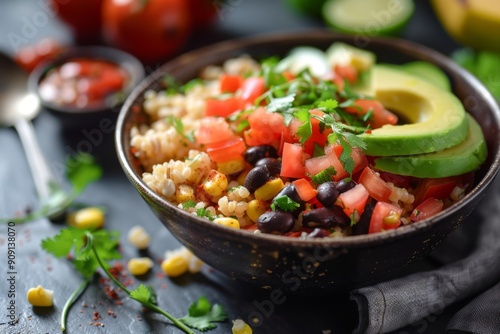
125,208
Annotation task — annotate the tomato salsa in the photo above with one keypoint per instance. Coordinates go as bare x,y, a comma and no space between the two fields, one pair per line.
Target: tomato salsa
277,147
83,83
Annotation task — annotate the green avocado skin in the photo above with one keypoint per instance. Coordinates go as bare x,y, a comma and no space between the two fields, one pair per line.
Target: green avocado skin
463,158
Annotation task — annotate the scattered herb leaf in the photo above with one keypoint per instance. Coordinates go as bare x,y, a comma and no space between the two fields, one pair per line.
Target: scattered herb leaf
202,315
284,203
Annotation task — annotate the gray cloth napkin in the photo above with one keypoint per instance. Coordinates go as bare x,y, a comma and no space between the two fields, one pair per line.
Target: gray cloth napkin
394,304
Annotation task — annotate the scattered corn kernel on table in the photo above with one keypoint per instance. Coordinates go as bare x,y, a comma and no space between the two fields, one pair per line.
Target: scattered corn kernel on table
99,310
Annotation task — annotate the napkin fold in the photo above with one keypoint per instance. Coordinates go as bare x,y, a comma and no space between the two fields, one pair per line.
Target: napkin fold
394,304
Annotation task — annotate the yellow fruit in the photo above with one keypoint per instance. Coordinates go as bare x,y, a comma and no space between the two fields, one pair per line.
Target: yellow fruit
473,22
40,297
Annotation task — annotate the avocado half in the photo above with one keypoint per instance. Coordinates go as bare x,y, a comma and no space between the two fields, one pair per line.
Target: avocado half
436,119
460,159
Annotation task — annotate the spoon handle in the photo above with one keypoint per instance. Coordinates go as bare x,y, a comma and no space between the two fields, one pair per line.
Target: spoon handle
45,180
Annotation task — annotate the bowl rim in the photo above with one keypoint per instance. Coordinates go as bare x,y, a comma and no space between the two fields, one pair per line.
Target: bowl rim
121,58
406,231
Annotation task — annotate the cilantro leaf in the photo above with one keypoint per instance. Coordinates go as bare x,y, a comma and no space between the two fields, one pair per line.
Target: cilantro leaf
202,315
144,293
188,204
284,203
62,244
203,212
281,104
328,106
179,127
81,170
304,131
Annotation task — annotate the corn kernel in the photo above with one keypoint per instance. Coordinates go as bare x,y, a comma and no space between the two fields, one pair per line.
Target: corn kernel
195,265
175,265
40,297
138,237
256,208
228,222
240,327
392,218
139,266
91,217
215,183
184,193
269,189
231,167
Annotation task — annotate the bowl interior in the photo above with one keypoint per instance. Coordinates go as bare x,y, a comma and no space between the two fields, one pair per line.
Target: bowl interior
469,90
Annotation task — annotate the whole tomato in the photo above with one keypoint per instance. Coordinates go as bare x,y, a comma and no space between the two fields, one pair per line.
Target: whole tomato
203,12
82,16
151,30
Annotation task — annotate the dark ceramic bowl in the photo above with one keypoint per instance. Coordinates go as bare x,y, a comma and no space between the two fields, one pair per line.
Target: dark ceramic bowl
312,266
73,115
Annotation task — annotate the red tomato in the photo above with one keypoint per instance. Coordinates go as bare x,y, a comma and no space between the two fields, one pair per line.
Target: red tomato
316,165
440,188
30,56
265,127
318,136
151,30
252,88
292,163
203,12
223,151
426,209
357,155
304,189
347,72
213,130
354,200
223,108
230,83
377,187
82,16
381,116
385,216
254,137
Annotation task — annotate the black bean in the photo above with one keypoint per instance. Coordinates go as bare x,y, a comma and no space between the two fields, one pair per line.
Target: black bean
325,217
256,178
363,225
292,193
327,194
318,233
255,153
343,185
275,222
273,164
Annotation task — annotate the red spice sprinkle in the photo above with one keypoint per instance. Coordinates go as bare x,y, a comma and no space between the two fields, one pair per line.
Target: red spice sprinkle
118,302
163,286
111,313
97,316
128,282
160,275
102,280
84,304
49,268
69,257
110,292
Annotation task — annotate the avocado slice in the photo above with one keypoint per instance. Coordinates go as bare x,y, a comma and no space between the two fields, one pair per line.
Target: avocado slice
460,159
429,72
436,118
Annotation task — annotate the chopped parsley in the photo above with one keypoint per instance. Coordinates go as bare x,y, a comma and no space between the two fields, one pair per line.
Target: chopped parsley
284,203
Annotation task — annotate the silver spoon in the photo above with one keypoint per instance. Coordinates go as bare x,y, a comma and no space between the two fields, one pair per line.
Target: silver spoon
17,108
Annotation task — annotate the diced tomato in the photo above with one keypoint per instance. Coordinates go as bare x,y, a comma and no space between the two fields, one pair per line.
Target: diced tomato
223,108
292,161
298,233
230,83
252,88
439,188
304,189
377,187
251,227
385,216
213,130
380,116
318,136
426,209
347,72
354,200
318,164
230,149
398,180
288,75
254,137
357,155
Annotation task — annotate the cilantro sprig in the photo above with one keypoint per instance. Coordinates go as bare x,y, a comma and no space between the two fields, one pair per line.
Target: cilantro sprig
284,203
92,250
81,170
179,128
